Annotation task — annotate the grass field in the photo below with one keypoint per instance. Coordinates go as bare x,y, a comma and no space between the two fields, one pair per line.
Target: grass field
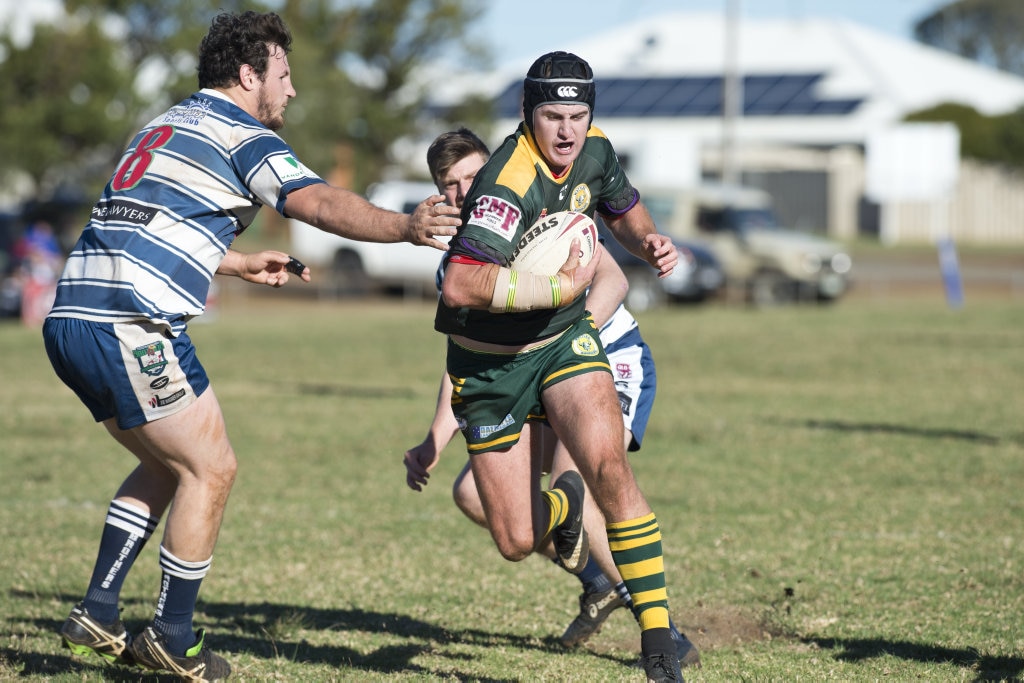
839,489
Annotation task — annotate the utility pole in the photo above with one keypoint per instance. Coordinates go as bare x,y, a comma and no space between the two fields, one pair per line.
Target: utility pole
732,94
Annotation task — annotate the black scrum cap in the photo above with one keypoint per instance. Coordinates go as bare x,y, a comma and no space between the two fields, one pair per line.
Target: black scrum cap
557,78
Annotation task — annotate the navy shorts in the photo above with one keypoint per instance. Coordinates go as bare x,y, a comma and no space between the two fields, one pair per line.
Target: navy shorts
134,372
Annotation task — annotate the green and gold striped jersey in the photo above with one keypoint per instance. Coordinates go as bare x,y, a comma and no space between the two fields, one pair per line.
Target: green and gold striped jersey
511,192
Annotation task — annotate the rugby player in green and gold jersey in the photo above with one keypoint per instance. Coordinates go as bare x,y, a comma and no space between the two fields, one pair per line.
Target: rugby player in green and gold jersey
522,349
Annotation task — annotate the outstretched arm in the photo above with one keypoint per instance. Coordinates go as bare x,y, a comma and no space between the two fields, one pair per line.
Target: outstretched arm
635,230
419,460
262,268
345,213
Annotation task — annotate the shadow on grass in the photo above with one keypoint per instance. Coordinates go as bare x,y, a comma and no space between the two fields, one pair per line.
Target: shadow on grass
986,668
349,391
263,630
883,428
40,664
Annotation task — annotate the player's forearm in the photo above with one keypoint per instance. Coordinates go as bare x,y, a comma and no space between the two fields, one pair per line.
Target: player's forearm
469,286
347,214
607,291
233,264
444,427
631,228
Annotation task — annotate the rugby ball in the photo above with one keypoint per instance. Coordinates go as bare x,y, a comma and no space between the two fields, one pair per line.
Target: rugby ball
544,248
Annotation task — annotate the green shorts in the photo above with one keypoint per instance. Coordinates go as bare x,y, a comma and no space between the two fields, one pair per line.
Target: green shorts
495,394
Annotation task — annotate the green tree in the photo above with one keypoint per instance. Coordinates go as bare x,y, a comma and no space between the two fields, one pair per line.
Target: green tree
73,96
986,31
65,103
362,78
161,38
996,139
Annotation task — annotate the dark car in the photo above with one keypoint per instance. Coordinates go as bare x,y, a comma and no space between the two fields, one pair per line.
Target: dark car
697,278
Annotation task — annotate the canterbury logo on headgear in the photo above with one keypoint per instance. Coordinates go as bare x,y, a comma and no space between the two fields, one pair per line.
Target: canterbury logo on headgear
567,91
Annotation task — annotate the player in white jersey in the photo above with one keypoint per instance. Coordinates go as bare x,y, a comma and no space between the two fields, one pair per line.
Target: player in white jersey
190,182
454,159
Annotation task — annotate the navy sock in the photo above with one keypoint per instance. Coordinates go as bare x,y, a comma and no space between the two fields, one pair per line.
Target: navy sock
179,590
623,592
125,532
593,579
674,630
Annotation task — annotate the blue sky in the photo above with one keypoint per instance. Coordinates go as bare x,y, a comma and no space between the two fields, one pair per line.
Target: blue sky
524,28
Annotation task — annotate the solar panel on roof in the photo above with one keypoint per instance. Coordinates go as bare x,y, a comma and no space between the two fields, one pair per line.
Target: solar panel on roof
696,96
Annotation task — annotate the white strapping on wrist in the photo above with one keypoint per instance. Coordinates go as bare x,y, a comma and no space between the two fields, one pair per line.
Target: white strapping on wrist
519,291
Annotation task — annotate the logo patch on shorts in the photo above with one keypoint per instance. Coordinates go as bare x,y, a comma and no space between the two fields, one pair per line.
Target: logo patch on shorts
160,402
487,430
151,358
624,370
584,345
625,402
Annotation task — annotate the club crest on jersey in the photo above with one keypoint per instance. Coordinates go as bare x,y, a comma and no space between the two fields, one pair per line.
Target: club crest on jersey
151,358
496,215
190,115
580,198
584,345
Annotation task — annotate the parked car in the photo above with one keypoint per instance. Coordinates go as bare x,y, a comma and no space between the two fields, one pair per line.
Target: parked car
351,267
697,278
770,264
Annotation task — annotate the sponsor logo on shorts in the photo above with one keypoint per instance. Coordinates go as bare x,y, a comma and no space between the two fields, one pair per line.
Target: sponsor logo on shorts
158,402
160,382
486,431
626,403
584,345
580,199
497,215
151,358
624,370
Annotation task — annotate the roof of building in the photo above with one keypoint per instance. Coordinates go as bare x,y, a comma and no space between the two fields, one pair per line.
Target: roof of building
827,81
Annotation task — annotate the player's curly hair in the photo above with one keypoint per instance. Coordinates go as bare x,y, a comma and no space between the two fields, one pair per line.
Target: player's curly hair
237,39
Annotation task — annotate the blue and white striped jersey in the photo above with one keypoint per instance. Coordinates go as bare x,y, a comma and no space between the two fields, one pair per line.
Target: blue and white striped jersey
190,182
